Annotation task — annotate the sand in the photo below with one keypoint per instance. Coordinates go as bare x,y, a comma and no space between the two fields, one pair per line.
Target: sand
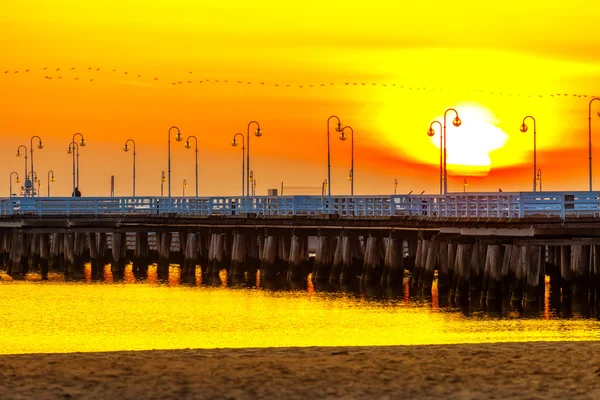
544,370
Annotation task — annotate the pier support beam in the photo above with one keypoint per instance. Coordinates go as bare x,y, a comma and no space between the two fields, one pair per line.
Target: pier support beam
268,267
393,265
372,266
533,267
295,271
462,272
164,254
495,260
322,264
430,265
580,264
238,257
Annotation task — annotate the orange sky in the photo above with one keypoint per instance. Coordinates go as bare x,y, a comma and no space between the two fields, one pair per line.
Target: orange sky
492,62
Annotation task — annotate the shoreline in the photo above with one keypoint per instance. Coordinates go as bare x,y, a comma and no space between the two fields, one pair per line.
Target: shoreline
521,370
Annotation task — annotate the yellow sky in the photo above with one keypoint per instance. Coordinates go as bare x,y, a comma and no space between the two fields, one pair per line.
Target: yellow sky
495,58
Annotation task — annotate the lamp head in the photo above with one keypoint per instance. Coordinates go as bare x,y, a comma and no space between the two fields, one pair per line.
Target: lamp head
524,127
338,128
184,183
342,136
234,142
396,182
126,148
258,133
70,150
82,143
350,176
188,145
53,179
430,132
251,175
18,153
17,180
465,182
40,145
456,122
178,137
163,177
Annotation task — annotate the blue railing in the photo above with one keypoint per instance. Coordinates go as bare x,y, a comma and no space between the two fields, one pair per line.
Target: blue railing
454,205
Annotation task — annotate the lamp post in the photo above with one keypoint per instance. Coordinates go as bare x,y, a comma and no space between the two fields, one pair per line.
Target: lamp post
184,186
234,143
163,179
539,177
11,181
252,182
189,146
465,184
72,151
40,146
179,139
456,122
395,186
33,179
338,128
126,149
524,129
257,133
590,135
351,174
431,133
19,155
324,188
254,188
50,180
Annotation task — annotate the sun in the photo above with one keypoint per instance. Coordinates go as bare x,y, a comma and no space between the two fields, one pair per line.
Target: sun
469,145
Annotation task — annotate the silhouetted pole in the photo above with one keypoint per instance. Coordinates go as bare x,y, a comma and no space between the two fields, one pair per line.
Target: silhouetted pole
456,122
539,177
257,133
39,146
396,185
337,129
431,133
163,179
126,149
590,135
351,175
234,143
50,180
178,138
11,181
19,155
76,174
189,146
524,129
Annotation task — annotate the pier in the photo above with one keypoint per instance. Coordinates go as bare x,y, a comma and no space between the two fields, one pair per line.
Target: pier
479,248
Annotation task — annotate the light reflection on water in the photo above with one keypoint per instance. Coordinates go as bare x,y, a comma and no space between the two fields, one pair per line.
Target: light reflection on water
58,316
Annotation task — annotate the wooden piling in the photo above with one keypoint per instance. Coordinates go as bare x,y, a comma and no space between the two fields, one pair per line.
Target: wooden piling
164,254
238,257
430,265
69,254
16,252
338,261
443,268
462,272
268,268
533,267
580,261
393,264
565,272
190,257
141,255
477,266
350,261
416,272
451,263
322,264
506,272
372,267
495,260
520,270
296,259
34,252
44,255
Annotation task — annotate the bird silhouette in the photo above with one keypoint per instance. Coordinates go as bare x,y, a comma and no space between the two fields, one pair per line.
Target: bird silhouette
58,69
155,78
45,68
72,68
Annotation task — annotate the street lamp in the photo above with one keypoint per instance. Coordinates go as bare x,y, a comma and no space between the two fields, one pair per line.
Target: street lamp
74,149
254,188
189,146
324,188
465,184
456,122
257,133
351,174
524,129
338,128
11,181
184,186
431,133
234,143
539,177
163,179
126,149
395,186
178,138
40,146
252,181
590,135
81,143
50,180
19,155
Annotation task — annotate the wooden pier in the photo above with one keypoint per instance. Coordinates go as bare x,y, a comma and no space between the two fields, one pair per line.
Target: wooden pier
484,249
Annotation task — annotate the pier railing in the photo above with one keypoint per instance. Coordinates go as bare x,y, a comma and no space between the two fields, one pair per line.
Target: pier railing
451,206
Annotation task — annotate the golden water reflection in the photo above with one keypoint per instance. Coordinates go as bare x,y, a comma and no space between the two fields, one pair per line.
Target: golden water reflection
58,316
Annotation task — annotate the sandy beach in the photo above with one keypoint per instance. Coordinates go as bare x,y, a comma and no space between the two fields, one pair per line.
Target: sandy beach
491,371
